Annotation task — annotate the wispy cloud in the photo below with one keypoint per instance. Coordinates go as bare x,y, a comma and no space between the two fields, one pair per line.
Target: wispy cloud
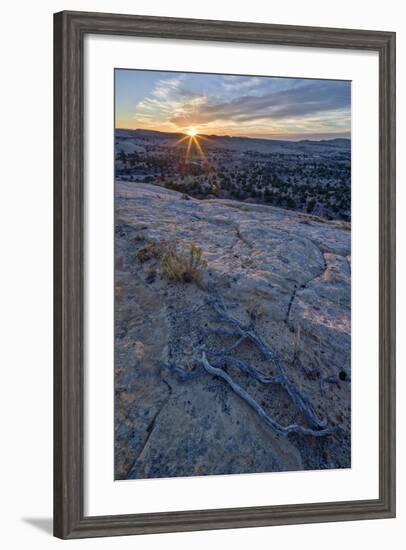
245,105
239,83
166,87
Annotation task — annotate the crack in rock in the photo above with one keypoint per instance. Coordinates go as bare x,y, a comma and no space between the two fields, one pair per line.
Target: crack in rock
150,428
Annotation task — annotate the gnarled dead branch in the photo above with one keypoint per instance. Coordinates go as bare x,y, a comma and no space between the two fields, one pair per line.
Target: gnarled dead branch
247,331
269,421
223,358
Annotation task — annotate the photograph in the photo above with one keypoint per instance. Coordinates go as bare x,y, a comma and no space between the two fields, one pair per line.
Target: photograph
232,277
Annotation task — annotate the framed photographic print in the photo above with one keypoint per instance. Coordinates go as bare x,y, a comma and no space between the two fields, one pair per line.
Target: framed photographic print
224,274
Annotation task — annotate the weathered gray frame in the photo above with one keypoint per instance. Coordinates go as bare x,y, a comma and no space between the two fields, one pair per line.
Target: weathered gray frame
69,31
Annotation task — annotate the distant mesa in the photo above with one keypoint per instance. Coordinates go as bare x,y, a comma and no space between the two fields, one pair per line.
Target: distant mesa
260,145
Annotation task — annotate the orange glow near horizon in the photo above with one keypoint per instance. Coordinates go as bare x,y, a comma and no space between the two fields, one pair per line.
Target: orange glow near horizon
193,139
222,131
262,107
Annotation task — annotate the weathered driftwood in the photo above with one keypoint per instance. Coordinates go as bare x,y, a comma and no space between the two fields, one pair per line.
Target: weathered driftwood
223,358
246,369
269,421
248,332
183,375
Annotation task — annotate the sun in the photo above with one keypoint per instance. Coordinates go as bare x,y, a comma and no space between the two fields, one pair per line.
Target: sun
192,132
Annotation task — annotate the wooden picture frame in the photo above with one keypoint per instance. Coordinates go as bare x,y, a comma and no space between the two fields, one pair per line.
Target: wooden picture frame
70,29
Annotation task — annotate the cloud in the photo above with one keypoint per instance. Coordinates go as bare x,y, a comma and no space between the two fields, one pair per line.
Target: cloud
167,86
243,102
238,83
303,100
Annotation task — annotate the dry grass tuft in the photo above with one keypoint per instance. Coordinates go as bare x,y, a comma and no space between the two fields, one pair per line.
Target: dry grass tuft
182,264
179,262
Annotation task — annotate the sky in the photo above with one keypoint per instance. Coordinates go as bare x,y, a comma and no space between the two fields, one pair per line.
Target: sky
251,106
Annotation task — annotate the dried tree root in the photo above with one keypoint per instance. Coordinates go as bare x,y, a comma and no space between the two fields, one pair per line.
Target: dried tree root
248,332
183,375
278,428
246,369
222,358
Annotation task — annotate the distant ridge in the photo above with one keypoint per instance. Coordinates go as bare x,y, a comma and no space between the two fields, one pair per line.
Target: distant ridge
171,135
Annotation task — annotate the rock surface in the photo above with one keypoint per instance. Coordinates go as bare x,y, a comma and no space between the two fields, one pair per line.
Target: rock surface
288,274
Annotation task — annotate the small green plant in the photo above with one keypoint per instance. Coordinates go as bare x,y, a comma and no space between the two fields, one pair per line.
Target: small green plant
183,265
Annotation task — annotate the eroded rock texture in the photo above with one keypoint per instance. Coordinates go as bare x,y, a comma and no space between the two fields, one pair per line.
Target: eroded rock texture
285,274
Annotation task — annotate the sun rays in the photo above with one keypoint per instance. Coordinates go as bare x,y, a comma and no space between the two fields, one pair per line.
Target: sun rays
193,139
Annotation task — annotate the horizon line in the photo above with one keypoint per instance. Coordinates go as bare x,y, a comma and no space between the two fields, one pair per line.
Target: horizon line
235,136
